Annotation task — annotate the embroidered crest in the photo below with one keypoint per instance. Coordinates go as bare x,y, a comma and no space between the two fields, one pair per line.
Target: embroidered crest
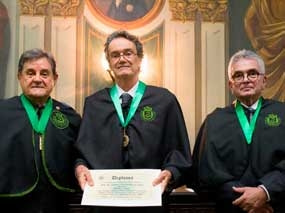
147,114
59,120
272,120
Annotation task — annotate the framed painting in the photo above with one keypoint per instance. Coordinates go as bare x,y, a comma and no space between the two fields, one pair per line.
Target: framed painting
125,14
260,26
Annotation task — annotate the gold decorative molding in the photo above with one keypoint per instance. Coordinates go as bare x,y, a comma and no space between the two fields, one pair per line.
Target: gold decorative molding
46,7
33,7
210,10
64,7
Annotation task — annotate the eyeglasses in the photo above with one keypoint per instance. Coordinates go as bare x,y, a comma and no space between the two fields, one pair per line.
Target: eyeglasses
127,54
251,75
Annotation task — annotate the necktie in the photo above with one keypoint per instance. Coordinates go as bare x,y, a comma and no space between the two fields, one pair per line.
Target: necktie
126,102
39,111
249,112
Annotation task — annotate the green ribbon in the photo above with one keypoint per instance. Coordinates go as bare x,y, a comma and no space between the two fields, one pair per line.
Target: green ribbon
134,104
247,127
39,125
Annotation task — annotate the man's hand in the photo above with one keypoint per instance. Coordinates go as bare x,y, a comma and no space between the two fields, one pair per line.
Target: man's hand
83,175
252,198
164,177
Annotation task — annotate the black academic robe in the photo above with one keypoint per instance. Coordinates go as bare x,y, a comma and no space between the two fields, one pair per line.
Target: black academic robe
24,168
223,159
158,136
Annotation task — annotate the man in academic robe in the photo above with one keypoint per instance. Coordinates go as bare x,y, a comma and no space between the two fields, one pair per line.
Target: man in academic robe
239,154
152,135
36,141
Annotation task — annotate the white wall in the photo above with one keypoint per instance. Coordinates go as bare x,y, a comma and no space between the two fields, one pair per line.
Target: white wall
11,87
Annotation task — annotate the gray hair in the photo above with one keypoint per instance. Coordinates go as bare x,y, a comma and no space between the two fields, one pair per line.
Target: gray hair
126,35
35,54
245,54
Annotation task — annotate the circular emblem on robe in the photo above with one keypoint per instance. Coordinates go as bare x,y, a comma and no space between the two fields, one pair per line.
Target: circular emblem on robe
59,120
147,114
272,120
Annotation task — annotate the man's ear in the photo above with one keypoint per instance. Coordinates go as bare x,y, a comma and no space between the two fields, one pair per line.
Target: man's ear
264,79
55,77
230,84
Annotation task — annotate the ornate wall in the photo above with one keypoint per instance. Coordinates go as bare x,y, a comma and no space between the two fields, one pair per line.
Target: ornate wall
184,42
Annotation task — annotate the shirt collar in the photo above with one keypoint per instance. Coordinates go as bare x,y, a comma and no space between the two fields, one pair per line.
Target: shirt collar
253,106
131,92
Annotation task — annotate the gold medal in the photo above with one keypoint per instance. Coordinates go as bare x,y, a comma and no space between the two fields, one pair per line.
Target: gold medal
126,139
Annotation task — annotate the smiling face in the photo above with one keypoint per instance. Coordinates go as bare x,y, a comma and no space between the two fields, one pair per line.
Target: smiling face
123,60
247,90
37,80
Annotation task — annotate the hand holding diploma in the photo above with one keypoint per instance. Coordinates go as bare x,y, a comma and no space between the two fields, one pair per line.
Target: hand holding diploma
83,176
163,178
123,187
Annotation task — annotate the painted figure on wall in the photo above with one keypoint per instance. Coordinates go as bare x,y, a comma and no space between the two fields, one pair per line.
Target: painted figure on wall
4,47
125,10
265,27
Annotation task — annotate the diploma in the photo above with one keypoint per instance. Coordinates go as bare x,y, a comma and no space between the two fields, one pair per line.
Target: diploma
123,187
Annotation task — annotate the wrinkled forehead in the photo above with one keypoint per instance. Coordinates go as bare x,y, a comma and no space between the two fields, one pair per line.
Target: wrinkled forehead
121,44
244,64
38,64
